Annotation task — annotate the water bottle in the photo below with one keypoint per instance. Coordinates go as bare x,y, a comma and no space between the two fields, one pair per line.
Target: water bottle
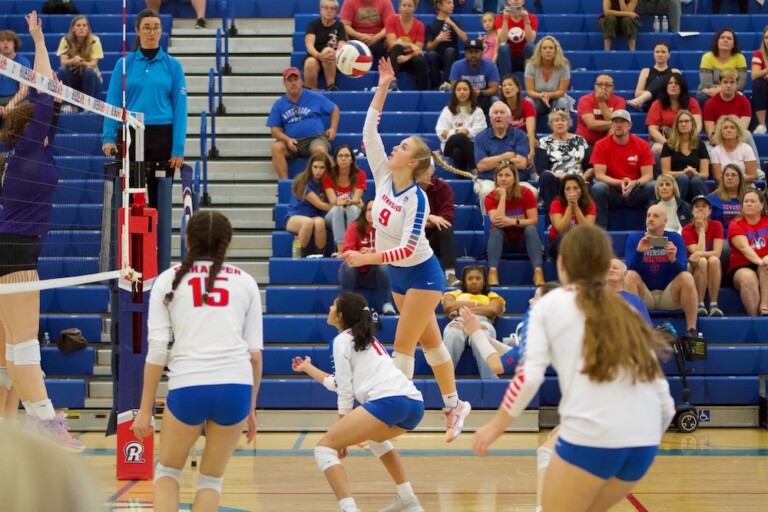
656,24
296,248
664,24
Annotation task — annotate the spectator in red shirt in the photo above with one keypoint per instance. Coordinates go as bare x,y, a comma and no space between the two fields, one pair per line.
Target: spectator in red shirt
623,169
572,207
594,110
360,237
748,268
673,98
517,28
364,21
514,216
439,228
704,240
729,102
405,44
344,185
523,111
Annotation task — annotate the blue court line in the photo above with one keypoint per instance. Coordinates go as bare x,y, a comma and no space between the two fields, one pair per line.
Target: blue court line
300,441
295,452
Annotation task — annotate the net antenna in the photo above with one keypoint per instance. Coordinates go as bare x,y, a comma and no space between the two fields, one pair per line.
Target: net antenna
25,75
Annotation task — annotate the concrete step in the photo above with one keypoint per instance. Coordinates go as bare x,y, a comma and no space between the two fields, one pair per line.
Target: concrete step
199,64
245,27
237,193
234,103
240,170
233,147
240,217
263,44
231,125
238,84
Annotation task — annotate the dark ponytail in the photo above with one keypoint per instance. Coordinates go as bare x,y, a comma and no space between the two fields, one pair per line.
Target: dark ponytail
357,316
209,233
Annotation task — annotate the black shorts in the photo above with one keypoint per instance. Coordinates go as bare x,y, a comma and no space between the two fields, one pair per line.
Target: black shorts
728,278
18,253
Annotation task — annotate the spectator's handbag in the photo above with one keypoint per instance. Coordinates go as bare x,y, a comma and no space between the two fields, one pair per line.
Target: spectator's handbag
694,347
71,340
59,7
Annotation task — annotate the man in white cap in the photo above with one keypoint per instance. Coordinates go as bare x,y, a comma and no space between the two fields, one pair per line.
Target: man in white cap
623,169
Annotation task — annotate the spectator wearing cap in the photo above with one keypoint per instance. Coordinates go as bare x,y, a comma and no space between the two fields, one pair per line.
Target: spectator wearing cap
623,165
482,74
704,241
12,92
595,108
298,121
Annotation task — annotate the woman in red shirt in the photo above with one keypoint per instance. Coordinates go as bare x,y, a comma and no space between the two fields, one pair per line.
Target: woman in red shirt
748,268
514,216
523,111
360,237
405,43
572,206
344,185
661,116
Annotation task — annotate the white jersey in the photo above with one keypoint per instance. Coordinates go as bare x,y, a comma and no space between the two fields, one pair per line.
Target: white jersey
399,218
611,414
213,341
367,375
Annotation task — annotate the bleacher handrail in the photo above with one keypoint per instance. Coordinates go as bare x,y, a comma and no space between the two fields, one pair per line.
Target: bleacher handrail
214,151
205,199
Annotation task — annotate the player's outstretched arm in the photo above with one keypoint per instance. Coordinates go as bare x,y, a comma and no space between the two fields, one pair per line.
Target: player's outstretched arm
386,77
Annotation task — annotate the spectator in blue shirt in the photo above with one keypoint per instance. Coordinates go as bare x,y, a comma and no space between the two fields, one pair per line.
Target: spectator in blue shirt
657,261
12,92
156,86
298,120
482,74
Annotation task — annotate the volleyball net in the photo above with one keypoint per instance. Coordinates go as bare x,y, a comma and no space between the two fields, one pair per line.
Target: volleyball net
85,239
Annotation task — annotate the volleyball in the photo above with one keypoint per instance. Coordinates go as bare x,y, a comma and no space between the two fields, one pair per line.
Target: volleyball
354,59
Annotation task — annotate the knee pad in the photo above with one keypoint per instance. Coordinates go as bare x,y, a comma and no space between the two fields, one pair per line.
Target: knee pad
543,457
163,471
326,457
380,449
404,363
437,356
9,352
209,482
479,340
26,353
5,380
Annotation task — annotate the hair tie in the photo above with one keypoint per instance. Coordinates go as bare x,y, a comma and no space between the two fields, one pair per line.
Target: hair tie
366,308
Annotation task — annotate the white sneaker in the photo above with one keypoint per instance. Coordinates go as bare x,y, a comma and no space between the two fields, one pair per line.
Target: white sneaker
445,86
455,417
404,505
58,430
388,309
760,129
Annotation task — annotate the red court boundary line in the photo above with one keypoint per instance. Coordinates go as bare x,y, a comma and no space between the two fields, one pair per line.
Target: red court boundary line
636,503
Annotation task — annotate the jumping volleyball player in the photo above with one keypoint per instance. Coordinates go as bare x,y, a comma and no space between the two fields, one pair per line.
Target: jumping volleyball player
391,404
400,212
29,183
615,401
214,312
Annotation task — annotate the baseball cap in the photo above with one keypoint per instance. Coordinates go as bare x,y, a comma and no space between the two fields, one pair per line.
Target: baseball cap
291,71
621,114
473,44
701,198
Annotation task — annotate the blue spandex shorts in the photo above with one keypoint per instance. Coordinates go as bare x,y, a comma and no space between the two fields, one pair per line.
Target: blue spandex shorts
397,411
224,404
424,276
628,464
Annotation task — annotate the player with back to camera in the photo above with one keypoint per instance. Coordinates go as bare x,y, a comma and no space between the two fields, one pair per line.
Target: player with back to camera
29,183
391,404
213,310
400,212
615,402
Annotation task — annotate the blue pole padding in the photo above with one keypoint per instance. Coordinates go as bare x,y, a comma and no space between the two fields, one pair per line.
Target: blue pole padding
164,214
130,364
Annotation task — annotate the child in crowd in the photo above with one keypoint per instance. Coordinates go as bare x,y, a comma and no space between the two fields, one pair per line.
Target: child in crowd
308,206
443,36
490,38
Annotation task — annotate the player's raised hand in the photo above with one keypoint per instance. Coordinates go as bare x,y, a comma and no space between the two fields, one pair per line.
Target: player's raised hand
386,73
35,25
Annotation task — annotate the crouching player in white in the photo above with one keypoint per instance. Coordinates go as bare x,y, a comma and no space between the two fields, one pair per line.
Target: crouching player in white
400,213
615,401
214,312
391,404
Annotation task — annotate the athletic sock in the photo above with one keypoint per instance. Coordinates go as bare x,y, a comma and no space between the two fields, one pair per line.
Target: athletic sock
451,400
405,491
348,504
43,409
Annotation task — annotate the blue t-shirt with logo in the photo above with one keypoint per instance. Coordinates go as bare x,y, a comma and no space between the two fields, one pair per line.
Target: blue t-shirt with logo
654,267
307,117
486,73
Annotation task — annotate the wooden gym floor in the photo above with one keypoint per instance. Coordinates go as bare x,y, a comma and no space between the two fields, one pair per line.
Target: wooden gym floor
709,470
